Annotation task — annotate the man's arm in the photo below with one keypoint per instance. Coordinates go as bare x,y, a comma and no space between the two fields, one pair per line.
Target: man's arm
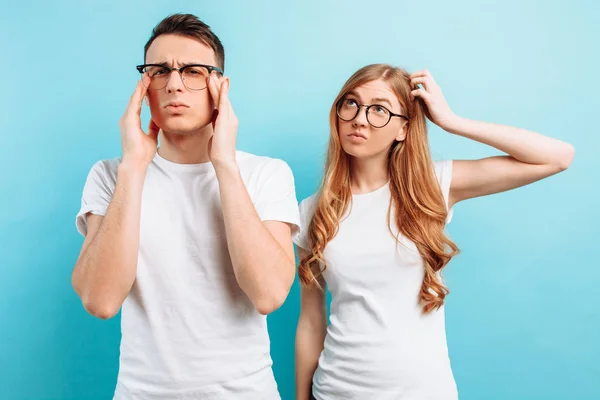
262,253
106,267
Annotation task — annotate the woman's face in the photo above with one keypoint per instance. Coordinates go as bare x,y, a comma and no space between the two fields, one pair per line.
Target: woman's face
359,136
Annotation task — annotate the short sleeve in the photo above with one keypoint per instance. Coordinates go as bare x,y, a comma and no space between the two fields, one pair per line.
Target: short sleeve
276,200
443,171
97,193
307,210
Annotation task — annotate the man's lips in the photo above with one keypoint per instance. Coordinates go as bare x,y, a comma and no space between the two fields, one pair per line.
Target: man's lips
176,105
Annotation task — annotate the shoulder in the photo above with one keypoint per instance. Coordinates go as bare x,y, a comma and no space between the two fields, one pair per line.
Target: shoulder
263,166
308,206
442,166
443,172
105,170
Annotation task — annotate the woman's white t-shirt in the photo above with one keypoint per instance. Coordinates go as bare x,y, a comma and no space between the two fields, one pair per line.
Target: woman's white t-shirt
379,345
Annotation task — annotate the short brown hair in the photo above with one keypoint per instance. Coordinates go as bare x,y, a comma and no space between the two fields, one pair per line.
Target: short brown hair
190,26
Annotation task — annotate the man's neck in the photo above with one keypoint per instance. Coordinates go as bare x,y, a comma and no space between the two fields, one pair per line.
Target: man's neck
186,149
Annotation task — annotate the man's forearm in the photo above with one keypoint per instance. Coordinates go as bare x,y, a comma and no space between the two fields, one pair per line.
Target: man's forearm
106,269
262,268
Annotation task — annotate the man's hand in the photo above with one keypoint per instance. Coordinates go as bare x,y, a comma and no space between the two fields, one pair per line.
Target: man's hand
221,147
139,148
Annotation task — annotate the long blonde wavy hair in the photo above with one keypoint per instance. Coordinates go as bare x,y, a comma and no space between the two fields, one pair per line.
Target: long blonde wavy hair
416,197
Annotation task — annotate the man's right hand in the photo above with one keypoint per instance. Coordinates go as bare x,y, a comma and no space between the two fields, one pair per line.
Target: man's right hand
139,148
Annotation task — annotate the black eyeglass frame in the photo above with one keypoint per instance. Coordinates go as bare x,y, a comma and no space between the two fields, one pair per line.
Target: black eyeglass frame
210,69
368,107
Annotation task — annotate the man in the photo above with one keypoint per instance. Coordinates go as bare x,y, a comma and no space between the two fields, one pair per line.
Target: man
192,239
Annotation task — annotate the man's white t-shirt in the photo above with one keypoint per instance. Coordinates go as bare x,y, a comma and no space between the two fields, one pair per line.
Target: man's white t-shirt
188,330
379,345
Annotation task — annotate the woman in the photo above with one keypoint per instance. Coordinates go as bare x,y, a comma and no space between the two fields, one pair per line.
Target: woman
374,234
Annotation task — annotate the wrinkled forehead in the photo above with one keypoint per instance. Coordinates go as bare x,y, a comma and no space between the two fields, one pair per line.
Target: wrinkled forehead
174,50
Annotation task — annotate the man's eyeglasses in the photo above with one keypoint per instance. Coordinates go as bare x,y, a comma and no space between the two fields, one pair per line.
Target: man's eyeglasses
193,76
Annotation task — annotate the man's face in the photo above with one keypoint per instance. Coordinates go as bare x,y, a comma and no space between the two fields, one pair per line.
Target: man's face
175,108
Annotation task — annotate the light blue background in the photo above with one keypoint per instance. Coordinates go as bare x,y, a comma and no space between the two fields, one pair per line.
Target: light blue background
522,318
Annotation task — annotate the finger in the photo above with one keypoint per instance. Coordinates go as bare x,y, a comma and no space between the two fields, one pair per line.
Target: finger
423,72
146,80
210,85
135,101
423,80
141,100
213,87
153,130
224,94
220,81
231,114
422,93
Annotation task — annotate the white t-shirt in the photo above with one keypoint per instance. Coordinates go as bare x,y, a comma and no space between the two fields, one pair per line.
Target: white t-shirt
379,345
188,330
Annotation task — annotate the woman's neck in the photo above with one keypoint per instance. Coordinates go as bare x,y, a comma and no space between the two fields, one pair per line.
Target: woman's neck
368,173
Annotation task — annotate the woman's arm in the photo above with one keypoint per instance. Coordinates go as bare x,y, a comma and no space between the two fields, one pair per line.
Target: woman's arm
531,156
310,335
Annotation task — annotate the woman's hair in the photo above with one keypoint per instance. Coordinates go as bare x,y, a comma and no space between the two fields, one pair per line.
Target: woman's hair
418,203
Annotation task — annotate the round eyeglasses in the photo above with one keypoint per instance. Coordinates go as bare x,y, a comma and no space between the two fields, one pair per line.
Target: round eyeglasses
378,116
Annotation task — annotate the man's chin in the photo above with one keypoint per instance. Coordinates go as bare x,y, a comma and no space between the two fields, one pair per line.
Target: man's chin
182,128
181,132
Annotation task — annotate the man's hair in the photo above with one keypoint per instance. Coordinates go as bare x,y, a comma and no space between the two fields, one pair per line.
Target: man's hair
190,26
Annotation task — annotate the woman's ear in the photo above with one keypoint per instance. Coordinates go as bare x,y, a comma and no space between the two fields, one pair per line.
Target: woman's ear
402,133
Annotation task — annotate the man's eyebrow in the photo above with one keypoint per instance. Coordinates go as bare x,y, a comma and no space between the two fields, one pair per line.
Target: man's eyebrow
161,63
183,64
